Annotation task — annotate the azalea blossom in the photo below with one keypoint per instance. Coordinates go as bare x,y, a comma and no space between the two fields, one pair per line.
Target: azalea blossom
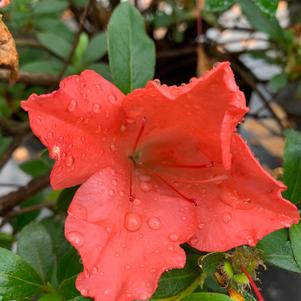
159,167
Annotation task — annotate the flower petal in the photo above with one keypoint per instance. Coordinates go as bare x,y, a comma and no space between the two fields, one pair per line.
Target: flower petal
125,246
78,123
244,208
208,108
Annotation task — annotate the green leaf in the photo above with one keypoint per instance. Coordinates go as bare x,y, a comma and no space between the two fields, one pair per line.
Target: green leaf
80,50
65,198
17,279
80,299
52,67
263,23
4,143
173,282
50,7
35,168
211,261
295,237
6,240
207,297
55,43
292,166
51,297
101,69
35,247
131,51
217,5
278,81
277,250
67,288
268,7
96,49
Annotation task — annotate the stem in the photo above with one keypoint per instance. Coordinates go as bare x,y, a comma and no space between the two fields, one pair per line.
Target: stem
253,285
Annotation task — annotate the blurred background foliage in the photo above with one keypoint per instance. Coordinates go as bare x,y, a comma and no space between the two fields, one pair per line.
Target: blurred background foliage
261,39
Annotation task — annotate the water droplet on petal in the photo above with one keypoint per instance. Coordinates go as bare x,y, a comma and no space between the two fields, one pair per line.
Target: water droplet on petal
98,129
127,266
55,152
96,108
95,270
122,128
106,292
79,211
114,182
111,192
194,241
201,226
137,202
75,238
132,222
251,242
109,229
157,81
72,105
148,284
144,186
84,292
112,98
154,223
69,161
227,217
113,147
173,237
170,247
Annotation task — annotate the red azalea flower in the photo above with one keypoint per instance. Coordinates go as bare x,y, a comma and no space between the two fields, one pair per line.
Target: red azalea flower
160,167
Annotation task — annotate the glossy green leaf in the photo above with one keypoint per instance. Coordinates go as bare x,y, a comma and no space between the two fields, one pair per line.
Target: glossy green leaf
131,51
6,240
101,69
263,23
67,288
65,198
96,49
295,237
292,166
35,247
51,297
218,5
52,67
207,297
211,261
55,43
277,250
35,168
18,280
278,81
80,299
50,7
268,7
173,282
4,143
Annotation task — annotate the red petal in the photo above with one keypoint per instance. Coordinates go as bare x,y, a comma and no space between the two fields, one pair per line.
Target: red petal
125,246
244,208
208,108
78,124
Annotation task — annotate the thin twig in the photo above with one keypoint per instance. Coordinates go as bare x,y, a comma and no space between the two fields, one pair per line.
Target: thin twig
19,211
10,200
17,140
76,40
40,79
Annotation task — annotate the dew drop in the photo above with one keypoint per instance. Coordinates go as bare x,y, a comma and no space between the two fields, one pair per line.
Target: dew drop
72,105
154,223
227,217
132,222
137,202
127,266
153,271
75,238
170,248
114,182
96,108
201,226
113,147
157,251
55,152
84,292
109,229
79,211
112,98
98,129
95,270
69,161
173,237
147,284
106,292
194,241
146,187
157,81
251,242
122,128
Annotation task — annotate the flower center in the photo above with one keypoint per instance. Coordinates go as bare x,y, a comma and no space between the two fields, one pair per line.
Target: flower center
136,158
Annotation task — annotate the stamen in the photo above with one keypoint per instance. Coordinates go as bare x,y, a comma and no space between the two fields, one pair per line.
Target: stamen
143,124
132,196
253,284
206,165
191,200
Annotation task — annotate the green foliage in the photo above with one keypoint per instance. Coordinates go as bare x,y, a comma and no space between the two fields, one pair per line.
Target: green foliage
277,250
31,247
35,168
292,166
131,51
17,279
177,280
218,5
207,297
295,237
278,81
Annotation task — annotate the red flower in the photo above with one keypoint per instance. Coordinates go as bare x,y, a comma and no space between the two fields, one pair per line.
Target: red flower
160,166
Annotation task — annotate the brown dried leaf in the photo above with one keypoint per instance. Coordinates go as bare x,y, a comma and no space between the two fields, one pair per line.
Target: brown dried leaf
8,52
